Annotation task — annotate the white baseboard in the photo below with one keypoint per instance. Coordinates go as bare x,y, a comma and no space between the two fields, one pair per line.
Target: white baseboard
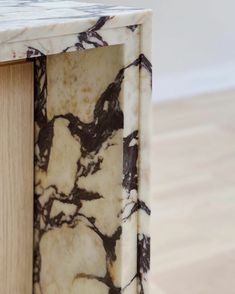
189,84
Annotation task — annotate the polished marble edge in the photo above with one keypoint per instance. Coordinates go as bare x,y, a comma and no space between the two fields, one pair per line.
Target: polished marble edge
29,20
35,41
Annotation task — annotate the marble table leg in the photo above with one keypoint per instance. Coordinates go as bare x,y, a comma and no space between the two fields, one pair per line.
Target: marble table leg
91,170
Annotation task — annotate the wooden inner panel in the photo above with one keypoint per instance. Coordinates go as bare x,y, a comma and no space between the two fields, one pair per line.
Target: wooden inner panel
16,178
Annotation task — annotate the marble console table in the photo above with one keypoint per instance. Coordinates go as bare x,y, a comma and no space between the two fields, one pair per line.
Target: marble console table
86,69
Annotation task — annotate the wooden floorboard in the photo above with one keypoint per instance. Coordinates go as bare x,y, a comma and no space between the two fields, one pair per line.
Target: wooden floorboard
193,201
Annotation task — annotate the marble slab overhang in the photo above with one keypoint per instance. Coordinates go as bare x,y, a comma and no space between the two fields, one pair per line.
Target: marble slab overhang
25,20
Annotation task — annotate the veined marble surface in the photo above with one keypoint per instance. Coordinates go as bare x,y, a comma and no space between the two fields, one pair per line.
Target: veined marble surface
27,20
92,79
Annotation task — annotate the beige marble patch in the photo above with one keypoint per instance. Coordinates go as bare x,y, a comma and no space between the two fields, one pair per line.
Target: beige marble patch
89,286
76,80
67,252
65,153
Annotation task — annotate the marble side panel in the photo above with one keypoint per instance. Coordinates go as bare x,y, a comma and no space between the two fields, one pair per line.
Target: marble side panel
91,161
79,178
86,171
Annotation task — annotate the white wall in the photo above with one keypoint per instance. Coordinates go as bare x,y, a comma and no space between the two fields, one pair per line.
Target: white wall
193,45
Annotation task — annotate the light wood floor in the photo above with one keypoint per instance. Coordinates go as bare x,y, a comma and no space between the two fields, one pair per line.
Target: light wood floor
193,204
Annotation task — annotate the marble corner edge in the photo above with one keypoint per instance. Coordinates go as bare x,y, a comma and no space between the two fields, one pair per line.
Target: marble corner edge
144,238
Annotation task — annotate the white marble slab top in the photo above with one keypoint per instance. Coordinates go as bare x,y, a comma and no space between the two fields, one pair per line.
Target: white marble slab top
31,19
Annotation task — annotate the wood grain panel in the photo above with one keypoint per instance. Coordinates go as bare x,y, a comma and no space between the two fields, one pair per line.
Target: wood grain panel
16,178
